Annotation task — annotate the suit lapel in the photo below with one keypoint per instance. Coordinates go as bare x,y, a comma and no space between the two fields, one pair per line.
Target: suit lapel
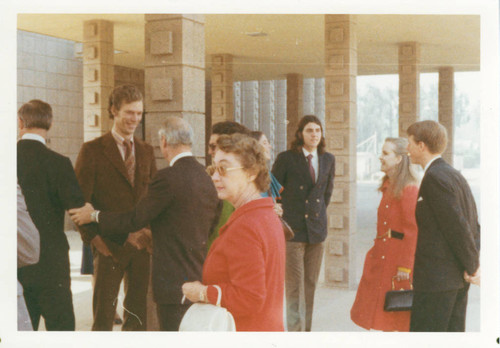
141,160
113,154
322,167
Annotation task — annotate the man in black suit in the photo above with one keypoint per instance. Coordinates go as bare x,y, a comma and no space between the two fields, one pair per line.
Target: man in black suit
181,207
447,255
49,185
306,172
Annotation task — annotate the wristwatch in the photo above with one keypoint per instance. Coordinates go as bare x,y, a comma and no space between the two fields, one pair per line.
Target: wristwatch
94,216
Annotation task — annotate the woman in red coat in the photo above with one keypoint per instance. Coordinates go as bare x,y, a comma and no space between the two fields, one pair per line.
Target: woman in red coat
247,260
393,252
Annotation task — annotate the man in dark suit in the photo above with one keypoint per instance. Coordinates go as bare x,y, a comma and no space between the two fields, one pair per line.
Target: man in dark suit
114,171
181,206
447,255
50,187
306,172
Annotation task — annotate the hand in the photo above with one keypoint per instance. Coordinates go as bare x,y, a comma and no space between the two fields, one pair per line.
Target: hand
278,209
140,239
81,216
99,244
192,291
475,278
402,275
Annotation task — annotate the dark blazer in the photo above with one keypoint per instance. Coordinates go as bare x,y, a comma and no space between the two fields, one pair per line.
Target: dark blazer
103,178
181,206
304,204
448,230
50,187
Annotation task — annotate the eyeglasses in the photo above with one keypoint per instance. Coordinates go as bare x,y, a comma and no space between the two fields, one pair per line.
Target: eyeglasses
220,169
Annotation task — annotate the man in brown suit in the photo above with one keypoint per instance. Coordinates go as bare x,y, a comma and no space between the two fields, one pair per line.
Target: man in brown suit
114,171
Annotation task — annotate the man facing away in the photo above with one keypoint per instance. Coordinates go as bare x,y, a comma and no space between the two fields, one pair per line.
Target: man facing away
114,171
181,206
50,187
447,254
306,172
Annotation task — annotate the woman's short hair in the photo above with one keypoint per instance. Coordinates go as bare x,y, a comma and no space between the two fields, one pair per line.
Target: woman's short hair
36,114
431,133
176,131
298,142
124,94
405,173
256,135
250,154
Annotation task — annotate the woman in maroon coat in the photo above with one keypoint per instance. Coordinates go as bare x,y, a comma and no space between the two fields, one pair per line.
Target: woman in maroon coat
393,252
247,260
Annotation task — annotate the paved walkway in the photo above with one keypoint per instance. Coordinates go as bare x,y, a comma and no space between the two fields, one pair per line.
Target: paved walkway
331,312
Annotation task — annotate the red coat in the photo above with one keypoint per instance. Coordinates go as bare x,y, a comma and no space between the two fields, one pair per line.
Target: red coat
382,261
247,261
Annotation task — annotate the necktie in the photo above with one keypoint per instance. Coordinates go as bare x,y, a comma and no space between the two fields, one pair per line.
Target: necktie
129,161
311,168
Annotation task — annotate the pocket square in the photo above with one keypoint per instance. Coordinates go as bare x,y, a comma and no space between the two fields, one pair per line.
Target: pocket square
420,199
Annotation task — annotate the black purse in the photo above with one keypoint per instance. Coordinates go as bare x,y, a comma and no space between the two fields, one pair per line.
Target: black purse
398,300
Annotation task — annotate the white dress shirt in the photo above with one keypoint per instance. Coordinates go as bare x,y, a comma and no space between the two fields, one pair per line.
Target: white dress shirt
182,154
33,136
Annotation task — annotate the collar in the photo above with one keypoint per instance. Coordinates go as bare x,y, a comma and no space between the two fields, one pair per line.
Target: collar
307,153
118,137
33,136
182,154
265,202
430,162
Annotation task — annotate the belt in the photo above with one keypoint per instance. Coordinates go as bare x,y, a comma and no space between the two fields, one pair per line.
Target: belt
392,234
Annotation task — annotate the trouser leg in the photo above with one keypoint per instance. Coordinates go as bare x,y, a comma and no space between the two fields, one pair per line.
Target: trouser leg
56,306
313,257
136,288
170,315
294,276
432,311
107,277
31,299
457,320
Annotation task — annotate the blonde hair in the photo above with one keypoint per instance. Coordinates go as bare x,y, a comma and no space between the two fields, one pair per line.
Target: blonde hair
405,174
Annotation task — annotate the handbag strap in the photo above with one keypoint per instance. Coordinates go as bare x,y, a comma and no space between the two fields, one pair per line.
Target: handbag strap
219,295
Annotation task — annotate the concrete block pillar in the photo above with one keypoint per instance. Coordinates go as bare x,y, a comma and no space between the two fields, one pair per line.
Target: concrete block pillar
222,88
409,85
340,132
175,75
446,110
294,104
98,77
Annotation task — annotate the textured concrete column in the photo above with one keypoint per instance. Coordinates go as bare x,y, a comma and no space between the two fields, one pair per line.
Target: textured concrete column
175,75
98,77
340,119
294,104
446,110
222,88
308,96
409,85
237,101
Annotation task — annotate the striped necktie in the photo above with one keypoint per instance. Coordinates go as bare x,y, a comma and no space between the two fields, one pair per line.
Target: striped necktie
129,161
311,168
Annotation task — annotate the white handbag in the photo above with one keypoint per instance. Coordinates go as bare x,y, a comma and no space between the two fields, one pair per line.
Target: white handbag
207,317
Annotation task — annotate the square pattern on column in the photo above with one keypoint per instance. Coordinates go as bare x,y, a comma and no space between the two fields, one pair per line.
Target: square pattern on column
161,42
162,89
